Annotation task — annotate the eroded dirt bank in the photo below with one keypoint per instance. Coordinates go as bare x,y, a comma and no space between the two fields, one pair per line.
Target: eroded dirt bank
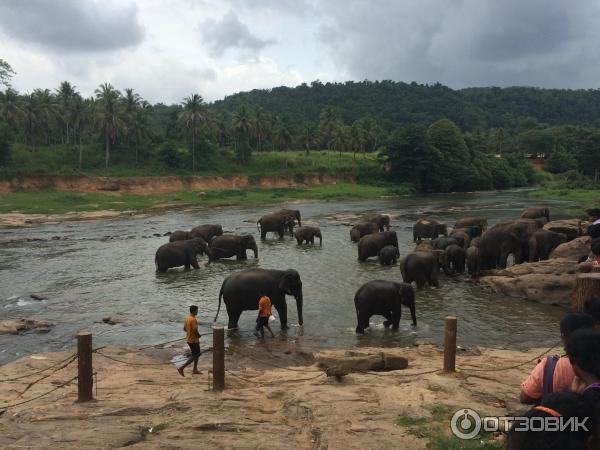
162,185
293,406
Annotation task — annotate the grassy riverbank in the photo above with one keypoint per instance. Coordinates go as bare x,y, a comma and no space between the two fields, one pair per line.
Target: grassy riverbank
586,198
59,202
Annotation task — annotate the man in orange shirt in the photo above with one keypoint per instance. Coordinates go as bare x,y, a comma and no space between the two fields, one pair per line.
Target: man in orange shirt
192,336
554,374
264,312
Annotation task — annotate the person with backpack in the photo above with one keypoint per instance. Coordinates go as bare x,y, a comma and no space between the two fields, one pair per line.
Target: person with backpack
554,373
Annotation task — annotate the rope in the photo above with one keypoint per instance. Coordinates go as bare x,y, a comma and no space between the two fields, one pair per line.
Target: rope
33,383
132,363
511,367
12,405
394,372
40,371
169,342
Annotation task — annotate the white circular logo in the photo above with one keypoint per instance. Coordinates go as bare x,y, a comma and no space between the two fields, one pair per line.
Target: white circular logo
465,424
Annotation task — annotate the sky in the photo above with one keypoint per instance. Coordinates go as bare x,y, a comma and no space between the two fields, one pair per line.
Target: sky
169,49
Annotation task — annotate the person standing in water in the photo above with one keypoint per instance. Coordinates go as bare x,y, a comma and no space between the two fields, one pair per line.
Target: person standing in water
192,336
264,312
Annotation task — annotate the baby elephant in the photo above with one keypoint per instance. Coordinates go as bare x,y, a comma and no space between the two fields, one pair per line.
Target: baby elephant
307,233
383,298
388,255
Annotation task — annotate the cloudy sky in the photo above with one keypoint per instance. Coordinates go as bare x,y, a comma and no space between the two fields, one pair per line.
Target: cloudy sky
168,49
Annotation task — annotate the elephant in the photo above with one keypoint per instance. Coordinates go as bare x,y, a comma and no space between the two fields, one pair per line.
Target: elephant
495,246
472,231
362,229
463,238
370,244
179,235
231,245
276,223
206,232
381,220
480,222
475,242
542,242
308,233
523,229
383,298
536,212
442,242
473,261
423,267
241,291
428,228
388,255
455,258
424,246
291,212
179,253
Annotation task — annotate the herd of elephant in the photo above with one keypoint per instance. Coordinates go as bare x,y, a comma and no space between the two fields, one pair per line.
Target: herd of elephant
469,245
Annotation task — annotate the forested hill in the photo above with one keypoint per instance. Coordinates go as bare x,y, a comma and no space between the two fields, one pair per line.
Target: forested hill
397,103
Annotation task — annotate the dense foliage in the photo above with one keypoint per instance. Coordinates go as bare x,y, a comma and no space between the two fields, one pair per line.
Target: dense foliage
430,137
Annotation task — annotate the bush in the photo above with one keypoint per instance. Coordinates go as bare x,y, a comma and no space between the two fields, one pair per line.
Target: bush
4,146
171,156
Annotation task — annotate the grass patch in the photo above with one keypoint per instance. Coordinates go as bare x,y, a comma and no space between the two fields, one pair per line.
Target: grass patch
57,202
586,198
436,429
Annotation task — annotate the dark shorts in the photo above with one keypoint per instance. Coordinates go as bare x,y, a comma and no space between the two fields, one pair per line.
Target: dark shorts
262,321
195,348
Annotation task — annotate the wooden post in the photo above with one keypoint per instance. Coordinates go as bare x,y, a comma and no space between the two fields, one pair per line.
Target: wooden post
85,380
587,285
218,358
450,344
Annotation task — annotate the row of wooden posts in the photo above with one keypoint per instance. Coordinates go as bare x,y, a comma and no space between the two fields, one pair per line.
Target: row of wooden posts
85,382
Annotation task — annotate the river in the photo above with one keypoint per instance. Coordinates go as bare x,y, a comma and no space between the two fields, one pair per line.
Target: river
90,270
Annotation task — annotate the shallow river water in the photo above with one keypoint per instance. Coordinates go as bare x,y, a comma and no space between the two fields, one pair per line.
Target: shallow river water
102,268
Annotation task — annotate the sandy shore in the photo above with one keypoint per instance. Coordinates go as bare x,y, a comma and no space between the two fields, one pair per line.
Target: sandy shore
291,406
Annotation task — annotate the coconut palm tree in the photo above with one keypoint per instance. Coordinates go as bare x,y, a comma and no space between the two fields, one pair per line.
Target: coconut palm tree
30,118
193,116
64,96
108,116
10,110
309,137
46,111
242,127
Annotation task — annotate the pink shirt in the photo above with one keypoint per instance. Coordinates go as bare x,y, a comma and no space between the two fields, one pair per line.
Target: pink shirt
563,377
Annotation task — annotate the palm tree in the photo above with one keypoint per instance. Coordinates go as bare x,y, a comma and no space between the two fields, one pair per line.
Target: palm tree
10,110
64,94
260,127
309,137
107,115
30,116
358,134
138,129
192,116
46,111
242,127
329,123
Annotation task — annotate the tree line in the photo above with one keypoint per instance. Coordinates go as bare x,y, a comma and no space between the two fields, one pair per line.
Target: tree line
414,129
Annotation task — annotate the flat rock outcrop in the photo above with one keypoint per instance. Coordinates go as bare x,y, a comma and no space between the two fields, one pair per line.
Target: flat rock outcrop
20,326
573,228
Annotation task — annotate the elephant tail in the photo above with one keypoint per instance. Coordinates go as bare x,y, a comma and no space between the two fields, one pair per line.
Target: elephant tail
220,296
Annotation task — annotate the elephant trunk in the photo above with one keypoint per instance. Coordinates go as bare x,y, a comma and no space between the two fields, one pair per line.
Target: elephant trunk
299,307
320,236
413,312
255,250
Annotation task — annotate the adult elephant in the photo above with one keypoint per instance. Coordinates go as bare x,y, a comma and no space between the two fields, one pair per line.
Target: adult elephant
369,245
428,228
274,223
536,212
383,298
308,234
455,258
231,245
480,222
295,213
523,229
241,290
381,220
542,242
423,267
206,232
362,229
496,245
179,253
179,235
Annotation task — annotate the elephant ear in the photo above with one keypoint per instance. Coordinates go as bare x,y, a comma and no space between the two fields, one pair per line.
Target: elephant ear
287,280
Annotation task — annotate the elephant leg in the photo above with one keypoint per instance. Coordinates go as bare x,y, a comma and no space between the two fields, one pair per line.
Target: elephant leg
186,266
395,318
363,321
389,319
282,313
263,234
234,317
194,263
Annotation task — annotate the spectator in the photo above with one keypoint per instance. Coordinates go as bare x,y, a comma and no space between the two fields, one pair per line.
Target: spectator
593,259
592,307
554,373
594,219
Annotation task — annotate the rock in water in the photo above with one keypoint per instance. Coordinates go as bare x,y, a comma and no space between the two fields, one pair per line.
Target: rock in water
20,326
340,365
573,250
38,297
572,228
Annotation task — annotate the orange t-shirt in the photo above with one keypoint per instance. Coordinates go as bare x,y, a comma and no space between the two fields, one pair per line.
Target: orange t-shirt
264,306
190,326
563,377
